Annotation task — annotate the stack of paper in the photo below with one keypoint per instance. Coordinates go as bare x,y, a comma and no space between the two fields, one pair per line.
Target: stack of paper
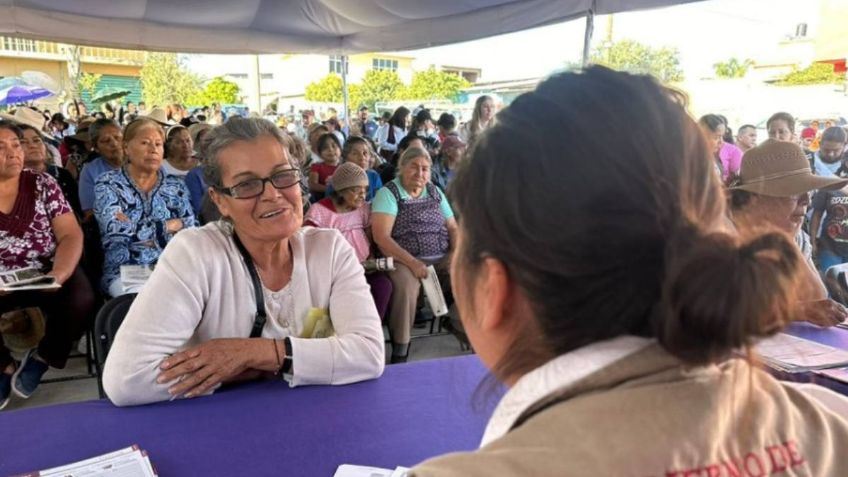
128,462
794,355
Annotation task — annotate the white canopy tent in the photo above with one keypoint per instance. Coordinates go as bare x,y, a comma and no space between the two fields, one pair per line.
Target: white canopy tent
289,26
337,27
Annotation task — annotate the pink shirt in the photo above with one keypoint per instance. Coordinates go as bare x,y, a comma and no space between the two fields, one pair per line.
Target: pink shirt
731,159
352,225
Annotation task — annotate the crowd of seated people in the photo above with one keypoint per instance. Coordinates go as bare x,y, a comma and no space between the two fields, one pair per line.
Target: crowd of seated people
107,192
158,189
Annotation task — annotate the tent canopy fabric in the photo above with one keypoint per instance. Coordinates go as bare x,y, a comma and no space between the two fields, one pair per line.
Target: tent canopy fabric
289,26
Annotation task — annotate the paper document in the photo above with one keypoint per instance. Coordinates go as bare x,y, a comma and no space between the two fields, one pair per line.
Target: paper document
347,470
839,374
793,354
433,293
127,462
133,276
26,279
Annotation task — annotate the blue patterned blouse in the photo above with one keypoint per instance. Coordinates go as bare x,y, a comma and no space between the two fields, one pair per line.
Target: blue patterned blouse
132,223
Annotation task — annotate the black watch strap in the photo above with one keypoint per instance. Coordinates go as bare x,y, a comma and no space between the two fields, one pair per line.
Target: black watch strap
286,369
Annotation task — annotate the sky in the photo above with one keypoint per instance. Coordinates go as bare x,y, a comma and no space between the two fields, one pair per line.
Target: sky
704,32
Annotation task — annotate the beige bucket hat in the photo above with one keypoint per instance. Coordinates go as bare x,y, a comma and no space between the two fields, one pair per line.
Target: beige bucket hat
780,169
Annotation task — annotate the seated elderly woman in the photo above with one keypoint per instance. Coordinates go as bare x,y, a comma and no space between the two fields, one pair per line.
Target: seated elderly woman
612,301
249,296
179,152
772,192
348,211
411,221
36,158
38,229
138,207
107,141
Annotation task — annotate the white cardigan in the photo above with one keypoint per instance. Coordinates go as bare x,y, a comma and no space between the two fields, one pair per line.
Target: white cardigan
201,290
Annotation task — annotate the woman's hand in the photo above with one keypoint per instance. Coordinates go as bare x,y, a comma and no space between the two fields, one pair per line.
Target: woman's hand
60,276
419,269
200,369
823,312
174,225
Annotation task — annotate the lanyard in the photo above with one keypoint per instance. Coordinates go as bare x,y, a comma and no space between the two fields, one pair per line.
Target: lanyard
259,320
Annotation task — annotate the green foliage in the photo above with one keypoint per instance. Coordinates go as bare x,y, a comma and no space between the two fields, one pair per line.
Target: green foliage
164,79
432,84
634,57
732,68
88,82
817,73
378,85
219,90
326,90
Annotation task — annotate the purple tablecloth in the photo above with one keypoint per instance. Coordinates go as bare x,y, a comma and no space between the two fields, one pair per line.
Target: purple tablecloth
415,411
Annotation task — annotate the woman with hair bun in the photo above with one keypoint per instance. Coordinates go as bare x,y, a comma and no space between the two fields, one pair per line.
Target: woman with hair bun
612,300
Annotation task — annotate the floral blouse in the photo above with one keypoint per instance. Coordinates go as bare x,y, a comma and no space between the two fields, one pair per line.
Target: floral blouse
26,233
133,223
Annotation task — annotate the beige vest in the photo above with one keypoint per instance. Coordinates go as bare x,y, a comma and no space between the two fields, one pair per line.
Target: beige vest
646,415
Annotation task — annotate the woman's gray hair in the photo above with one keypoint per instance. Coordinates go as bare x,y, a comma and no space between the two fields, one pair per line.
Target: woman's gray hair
98,126
410,154
223,136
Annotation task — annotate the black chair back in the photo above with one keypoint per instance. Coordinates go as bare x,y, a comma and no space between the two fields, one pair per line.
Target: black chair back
106,325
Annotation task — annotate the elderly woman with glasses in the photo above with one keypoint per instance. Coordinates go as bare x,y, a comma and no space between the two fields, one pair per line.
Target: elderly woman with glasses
252,295
139,208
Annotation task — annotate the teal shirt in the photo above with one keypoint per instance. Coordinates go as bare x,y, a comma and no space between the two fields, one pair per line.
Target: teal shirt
385,202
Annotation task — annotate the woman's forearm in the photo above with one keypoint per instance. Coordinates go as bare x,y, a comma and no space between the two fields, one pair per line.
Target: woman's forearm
68,253
390,248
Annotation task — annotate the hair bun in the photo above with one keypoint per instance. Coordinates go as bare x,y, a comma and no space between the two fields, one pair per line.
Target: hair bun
718,295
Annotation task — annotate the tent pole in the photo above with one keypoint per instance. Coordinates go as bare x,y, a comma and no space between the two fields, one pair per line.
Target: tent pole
345,92
590,29
257,105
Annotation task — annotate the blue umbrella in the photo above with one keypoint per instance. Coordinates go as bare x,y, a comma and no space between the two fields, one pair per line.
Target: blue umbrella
13,81
22,94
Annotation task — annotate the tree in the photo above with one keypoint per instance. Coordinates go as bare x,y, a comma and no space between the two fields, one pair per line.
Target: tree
88,82
817,73
378,85
634,57
72,61
432,84
219,90
732,68
326,90
164,80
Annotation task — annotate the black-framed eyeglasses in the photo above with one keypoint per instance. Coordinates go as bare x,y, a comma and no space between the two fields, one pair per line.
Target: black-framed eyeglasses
251,188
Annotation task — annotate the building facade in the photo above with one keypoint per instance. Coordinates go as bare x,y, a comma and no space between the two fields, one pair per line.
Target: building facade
119,68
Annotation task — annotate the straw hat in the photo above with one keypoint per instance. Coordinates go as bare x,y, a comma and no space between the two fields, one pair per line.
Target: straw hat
27,117
780,169
22,330
159,115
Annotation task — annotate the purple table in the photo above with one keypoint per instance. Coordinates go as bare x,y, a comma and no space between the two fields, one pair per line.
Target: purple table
415,411
836,337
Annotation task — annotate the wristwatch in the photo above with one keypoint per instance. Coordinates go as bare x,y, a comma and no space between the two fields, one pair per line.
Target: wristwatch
286,368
